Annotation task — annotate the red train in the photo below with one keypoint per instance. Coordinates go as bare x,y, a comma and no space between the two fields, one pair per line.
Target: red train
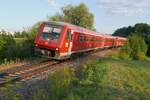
60,40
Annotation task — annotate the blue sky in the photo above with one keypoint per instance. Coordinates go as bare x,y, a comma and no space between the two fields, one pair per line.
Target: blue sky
109,14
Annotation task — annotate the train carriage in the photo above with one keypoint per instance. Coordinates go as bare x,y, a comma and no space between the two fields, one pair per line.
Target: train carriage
60,40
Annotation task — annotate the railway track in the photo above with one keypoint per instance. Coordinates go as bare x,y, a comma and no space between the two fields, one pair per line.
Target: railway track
27,72
34,71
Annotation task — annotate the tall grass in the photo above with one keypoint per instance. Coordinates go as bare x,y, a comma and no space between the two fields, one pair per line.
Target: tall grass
104,79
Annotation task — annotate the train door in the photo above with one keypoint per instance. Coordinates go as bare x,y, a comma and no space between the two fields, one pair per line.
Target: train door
70,41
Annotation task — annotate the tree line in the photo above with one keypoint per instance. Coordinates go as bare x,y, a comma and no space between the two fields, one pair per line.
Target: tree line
141,30
17,46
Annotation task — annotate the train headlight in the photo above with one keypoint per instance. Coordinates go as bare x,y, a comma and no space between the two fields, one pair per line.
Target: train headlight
66,45
57,49
36,45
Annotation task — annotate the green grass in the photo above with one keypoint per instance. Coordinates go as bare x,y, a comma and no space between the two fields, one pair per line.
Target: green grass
113,79
129,79
105,79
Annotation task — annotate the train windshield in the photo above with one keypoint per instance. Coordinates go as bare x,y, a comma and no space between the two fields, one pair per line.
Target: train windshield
51,32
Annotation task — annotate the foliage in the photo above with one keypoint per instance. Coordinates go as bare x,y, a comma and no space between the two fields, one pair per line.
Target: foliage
138,47
32,32
92,74
56,17
6,45
10,93
125,52
104,79
135,49
21,45
144,30
41,94
77,15
60,83
20,34
113,79
124,32
141,29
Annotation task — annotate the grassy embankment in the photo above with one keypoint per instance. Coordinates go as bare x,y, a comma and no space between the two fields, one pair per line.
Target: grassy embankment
105,79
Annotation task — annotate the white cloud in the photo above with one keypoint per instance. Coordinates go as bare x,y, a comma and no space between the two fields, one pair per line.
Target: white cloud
51,1
125,6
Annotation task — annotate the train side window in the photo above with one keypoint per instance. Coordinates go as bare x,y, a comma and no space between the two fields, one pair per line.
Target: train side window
81,38
93,38
78,36
69,37
87,38
84,38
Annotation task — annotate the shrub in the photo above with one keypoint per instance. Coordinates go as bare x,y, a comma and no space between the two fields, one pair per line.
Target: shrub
125,52
106,79
60,83
6,45
13,48
135,49
138,47
92,74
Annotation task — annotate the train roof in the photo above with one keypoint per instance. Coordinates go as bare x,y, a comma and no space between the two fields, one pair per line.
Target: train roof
78,28
58,23
75,27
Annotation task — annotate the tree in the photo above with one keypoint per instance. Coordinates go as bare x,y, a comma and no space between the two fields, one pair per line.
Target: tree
141,29
77,15
124,32
57,17
32,32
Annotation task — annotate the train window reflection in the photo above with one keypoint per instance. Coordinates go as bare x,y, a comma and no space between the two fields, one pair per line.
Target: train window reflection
51,32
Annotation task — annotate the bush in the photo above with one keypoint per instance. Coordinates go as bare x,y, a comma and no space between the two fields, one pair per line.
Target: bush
105,79
13,47
138,47
68,85
92,74
6,45
125,52
60,83
24,48
135,49
142,29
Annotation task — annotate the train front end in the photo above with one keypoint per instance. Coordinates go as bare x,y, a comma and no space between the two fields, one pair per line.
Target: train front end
48,40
